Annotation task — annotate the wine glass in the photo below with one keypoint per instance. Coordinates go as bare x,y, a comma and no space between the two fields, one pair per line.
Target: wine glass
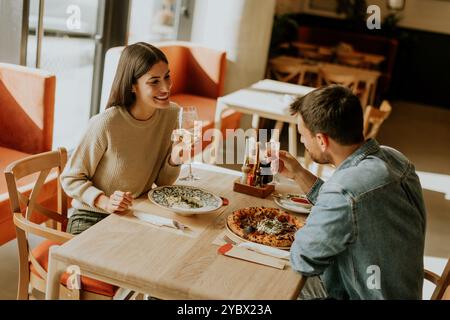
191,135
273,152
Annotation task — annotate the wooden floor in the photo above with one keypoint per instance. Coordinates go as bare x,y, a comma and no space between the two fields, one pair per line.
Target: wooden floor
422,133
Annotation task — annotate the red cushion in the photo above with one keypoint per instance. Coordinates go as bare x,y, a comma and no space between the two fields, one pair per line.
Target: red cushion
87,284
196,70
27,98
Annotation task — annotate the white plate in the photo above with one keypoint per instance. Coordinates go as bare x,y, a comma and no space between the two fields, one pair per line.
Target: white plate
239,239
210,201
290,205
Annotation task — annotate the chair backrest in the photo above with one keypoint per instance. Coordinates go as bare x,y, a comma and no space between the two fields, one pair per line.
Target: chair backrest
292,72
284,72
40,165
442,290
27,100
374,117
327,77
195,69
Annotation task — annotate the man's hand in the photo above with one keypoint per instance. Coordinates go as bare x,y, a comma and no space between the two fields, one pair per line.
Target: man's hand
289,166
118,202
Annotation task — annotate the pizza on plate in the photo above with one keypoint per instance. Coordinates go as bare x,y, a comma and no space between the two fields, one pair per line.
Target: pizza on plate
269,226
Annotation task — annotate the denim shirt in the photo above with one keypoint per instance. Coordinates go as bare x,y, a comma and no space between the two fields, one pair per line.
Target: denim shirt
366,231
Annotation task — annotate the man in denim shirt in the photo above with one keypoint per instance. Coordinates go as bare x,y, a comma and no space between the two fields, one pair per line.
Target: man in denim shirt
365,234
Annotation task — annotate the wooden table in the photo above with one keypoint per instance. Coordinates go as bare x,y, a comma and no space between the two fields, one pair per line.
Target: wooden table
366,58
268,99
369,77
167,264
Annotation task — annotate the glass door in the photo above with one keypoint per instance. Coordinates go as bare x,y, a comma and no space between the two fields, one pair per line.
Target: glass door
62,40
160,20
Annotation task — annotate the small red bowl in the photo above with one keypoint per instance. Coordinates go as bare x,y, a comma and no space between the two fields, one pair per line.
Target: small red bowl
300,200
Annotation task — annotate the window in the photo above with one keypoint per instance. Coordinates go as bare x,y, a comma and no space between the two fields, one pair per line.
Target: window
160,20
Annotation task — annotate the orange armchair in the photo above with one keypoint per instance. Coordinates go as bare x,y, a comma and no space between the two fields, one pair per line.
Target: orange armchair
27,99
198,75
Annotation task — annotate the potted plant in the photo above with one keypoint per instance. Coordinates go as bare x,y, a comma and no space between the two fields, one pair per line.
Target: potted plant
284,32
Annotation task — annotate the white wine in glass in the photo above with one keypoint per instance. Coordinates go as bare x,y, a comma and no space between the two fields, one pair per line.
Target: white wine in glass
188,119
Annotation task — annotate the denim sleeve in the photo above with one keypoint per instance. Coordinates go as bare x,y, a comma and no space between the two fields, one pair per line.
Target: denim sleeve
328,231
314,192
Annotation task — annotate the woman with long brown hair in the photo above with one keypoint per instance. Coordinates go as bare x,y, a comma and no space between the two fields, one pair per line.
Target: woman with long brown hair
127,148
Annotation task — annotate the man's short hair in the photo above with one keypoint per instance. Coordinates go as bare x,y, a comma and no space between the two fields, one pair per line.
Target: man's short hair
332,110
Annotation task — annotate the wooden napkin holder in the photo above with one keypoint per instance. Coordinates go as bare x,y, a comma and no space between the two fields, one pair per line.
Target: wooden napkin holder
253,191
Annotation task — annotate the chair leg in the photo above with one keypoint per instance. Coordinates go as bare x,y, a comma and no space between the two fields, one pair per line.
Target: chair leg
23,290
277,131
68,294
137,296
123,294
255,121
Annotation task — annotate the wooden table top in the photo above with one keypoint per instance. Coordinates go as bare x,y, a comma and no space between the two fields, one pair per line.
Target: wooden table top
371,58
267,98
359,72
167,264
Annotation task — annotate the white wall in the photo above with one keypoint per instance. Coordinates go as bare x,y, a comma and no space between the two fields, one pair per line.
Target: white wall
427,15
243,28
288,6
141,20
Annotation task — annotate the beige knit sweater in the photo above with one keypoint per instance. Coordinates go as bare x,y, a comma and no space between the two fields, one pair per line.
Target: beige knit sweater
119,152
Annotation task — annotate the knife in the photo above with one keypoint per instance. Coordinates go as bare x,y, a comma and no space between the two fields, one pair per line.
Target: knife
252,256
159,221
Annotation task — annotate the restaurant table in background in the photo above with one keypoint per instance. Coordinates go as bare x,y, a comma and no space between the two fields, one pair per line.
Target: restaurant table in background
168,264
355,58
363,76
265,99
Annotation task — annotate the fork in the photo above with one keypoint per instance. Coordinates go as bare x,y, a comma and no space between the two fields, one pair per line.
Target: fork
228,240
179,225
279,196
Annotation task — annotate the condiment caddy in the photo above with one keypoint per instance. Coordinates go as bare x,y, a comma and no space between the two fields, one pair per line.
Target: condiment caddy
255,178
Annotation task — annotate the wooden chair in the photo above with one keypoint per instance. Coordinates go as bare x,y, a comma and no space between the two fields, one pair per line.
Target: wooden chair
285,73
302,74
374,117
33,263
327,77
442,290
351,59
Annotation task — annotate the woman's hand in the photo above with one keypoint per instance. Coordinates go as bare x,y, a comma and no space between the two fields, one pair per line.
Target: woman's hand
118,202
289,166
177,156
